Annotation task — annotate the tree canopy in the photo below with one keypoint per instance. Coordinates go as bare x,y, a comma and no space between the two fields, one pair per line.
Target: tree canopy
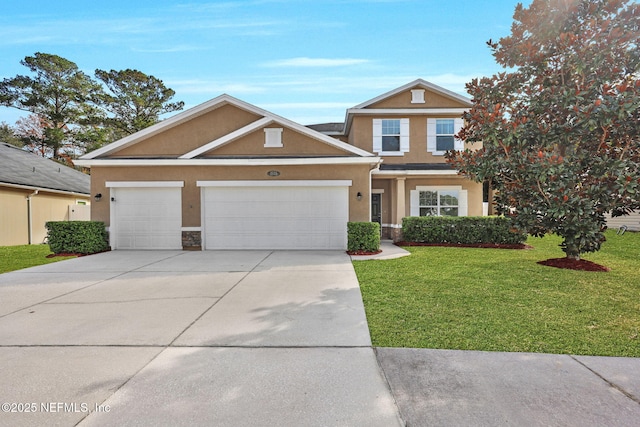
59,94
560,127
71,112
134,100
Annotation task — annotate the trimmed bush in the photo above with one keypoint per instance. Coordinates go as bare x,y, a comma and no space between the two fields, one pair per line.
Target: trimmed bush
462,230
77,237
363,236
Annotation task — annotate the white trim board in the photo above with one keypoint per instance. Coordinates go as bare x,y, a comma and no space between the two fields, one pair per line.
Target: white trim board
283,183
281,161
144,184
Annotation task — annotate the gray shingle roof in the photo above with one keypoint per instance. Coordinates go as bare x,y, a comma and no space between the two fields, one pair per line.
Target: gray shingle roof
327,127
415,166
23,168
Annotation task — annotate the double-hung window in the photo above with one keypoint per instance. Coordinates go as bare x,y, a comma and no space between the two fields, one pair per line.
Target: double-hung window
448,200
441,135
444,134
391,136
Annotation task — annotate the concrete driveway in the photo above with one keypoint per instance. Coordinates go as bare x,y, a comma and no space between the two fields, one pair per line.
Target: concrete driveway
190,338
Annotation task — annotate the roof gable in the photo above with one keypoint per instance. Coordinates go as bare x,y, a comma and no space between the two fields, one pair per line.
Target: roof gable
201,120
445,97
19,167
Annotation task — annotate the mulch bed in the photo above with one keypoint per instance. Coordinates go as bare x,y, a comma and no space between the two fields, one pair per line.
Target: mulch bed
468,245
567,263
72,254
363,252
574,264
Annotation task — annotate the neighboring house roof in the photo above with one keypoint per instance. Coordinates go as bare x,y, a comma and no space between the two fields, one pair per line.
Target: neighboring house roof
193,156
23,169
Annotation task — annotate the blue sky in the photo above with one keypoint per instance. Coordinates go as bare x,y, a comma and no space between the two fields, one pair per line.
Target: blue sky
307,60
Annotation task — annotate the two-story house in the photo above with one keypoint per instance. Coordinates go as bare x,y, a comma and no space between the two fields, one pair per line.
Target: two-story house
411,128
229,175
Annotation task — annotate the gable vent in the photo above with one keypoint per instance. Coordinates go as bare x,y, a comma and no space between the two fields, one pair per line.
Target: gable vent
417,96
273,137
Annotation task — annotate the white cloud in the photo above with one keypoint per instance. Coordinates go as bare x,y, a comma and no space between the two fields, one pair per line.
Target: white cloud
315,62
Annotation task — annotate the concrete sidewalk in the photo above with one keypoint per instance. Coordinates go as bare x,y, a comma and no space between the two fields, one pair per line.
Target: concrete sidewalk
261,338
251,338
472,388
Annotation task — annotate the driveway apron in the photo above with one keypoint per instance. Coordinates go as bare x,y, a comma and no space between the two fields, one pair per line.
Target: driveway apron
242,338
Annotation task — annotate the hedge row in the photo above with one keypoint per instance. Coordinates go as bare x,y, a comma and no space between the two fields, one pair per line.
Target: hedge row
363,236
77,237
463,230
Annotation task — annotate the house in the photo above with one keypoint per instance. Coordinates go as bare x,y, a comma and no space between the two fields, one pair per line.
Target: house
411,128
229,175
34,190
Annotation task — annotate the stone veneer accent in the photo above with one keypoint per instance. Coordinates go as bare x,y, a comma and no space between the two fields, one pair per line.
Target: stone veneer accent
191,241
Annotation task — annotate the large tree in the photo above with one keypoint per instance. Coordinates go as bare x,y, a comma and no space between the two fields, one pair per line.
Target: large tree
8,135
560,127
59,94
134,100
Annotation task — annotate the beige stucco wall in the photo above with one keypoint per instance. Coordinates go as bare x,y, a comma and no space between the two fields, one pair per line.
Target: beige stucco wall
361,136
13,217
192,134
293,144
391,216
432,100
46,206
358,174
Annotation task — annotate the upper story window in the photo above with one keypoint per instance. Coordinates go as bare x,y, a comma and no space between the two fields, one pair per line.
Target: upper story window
441,135
391,136
444,134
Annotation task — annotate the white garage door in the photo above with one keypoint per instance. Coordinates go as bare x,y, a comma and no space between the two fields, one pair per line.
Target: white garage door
146,218
289,215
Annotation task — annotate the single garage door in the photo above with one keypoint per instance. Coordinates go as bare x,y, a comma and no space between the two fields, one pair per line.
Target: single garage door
282,215
146,217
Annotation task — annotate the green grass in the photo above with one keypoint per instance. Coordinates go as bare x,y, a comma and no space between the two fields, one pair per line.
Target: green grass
19,257
502,300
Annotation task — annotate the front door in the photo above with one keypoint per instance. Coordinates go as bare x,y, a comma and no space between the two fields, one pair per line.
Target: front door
376,209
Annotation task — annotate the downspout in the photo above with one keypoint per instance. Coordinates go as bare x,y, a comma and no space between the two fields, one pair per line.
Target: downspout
30,215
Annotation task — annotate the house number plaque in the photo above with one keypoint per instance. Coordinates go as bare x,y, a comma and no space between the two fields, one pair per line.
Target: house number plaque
273,173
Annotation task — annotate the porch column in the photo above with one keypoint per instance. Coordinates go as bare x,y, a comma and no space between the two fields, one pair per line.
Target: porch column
400,209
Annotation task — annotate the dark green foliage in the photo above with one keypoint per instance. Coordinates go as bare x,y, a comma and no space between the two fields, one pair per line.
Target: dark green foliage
77,237
560,127
463,230
363,236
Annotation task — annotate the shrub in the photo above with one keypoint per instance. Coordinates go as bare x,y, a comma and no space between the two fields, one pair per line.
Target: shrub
463,230
78,237
363,236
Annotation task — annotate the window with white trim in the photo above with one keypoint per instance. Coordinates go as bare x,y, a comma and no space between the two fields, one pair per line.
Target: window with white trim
439,203
444,134
391,136
441,135
446,200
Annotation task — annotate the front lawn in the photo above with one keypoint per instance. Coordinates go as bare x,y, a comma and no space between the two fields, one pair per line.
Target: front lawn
502,300
19,257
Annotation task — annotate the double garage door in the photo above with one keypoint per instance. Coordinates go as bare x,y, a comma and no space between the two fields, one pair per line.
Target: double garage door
236,215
